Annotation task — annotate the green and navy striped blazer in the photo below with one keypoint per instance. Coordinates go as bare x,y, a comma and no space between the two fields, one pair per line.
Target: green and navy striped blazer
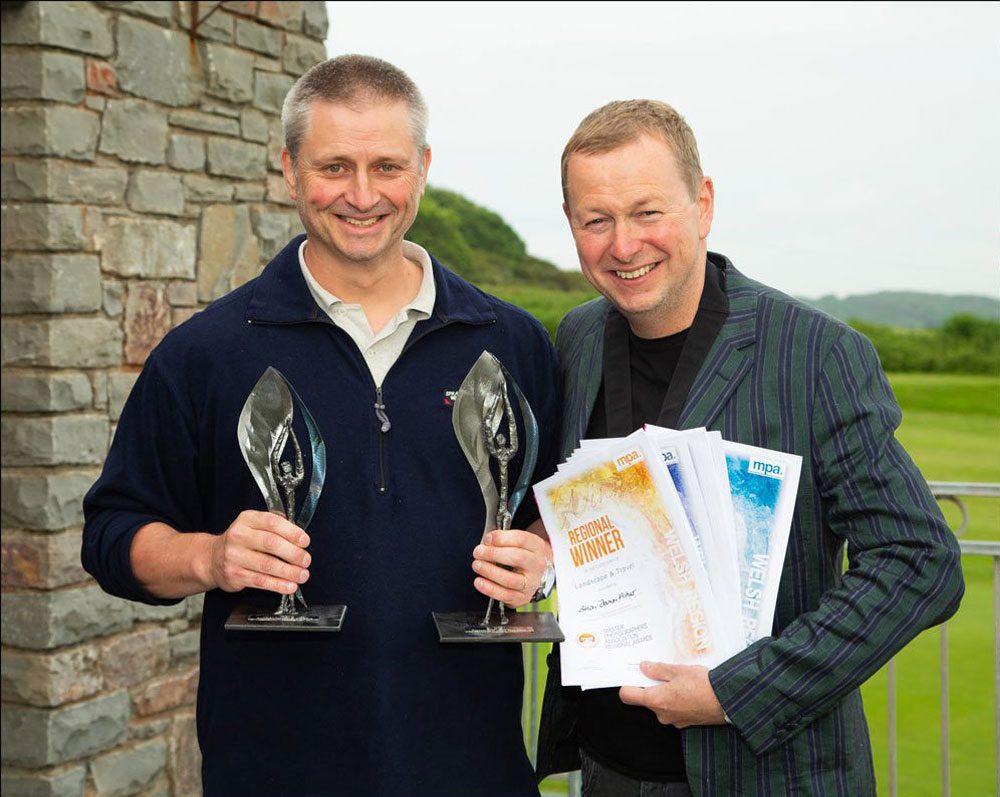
784,376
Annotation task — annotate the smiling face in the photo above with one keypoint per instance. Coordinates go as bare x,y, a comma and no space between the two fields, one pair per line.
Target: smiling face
357,182
639,234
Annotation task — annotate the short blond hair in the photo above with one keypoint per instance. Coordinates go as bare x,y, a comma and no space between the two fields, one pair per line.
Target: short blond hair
622,121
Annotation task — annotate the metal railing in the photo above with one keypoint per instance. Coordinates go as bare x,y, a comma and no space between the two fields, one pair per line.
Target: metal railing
952,492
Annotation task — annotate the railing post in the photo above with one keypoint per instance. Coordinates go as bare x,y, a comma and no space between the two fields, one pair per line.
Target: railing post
891,682
996,661
945,717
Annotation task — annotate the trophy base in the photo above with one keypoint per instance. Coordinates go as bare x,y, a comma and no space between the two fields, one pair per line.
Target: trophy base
467,627
316,618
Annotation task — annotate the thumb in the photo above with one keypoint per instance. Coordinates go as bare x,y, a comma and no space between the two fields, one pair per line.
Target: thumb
658,670
632,695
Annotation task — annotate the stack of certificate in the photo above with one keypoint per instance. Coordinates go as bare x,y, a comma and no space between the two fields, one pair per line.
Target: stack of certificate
668,547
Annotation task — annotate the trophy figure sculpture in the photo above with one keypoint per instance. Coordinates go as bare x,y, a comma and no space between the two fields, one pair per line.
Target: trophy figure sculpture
265,433
481,405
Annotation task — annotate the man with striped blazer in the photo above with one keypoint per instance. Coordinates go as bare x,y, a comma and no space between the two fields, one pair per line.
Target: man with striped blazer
682,339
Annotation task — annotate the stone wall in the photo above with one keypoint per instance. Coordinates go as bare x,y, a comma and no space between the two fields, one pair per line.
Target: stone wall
140,180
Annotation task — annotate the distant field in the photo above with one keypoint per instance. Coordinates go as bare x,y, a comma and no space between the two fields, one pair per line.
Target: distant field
951,427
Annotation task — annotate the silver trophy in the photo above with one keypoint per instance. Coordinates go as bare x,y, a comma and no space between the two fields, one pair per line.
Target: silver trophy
486,429
272,452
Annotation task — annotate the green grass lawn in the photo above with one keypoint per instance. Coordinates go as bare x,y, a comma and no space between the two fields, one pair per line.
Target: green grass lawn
951,427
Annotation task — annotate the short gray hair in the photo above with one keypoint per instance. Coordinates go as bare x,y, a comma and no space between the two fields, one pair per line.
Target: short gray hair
346,79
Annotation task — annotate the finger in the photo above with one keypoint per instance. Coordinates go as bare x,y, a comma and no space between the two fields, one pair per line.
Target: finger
510,579
271,521
515,538
275,545
493,590
250,578
632,695
517,558
272,566
658,670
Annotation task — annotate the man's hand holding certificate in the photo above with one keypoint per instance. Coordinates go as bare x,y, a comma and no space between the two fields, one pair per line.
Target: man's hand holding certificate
668,548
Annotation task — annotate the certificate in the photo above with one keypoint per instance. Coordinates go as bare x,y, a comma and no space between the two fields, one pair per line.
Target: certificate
632,586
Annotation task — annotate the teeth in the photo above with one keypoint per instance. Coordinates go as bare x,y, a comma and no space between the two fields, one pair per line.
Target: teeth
631,275
360,222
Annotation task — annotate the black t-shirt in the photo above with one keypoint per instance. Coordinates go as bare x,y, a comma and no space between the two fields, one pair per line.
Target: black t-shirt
645,381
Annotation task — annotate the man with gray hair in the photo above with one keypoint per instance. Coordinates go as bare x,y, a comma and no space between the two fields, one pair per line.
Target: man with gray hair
374,334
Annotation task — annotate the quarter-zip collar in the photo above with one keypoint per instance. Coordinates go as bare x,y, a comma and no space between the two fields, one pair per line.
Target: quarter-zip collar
280,294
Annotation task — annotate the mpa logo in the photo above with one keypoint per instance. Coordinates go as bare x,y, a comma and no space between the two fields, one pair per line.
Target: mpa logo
628,460
773,470
586,640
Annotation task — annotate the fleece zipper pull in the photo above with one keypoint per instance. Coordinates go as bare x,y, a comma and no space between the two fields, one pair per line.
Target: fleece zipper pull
380,411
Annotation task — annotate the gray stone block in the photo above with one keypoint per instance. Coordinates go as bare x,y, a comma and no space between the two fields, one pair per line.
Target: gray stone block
45,620
182,294
44,391
198,188
256,37
25,179
135,131
146,613
113,298
61,343
186,153
92,185
267,64
314,19
43,75
285,14
96,103
184,645
54,440
41,561
120,384
205,122
228,254
249,192
69,25
45,500
217,27
219,106
154,9
269,91
147,729
253,125
301,54
53,783
274,228
236,159
34,737
148,248
50,679
195,604
229,72
155,192
155,63
55,130
50,283
42,226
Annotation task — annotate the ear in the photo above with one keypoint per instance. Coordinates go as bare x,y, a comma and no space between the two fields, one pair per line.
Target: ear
427,165
706,207
289,172
566,212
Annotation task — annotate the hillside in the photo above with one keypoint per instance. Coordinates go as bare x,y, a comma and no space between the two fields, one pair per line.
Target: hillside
907,309
479,245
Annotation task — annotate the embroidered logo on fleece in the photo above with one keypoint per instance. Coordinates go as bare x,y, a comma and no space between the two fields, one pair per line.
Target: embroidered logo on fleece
449,397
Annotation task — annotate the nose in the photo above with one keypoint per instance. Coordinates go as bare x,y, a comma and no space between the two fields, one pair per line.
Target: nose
623,245
362,195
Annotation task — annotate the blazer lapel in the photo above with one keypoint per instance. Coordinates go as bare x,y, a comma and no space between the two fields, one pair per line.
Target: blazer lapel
728,360
582,358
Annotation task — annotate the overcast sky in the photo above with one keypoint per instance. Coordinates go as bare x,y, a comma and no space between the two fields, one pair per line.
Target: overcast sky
854,148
